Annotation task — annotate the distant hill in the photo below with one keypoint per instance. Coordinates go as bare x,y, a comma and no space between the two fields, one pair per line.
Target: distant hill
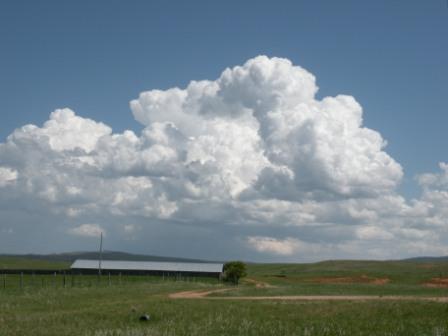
107,255
428,259
64,260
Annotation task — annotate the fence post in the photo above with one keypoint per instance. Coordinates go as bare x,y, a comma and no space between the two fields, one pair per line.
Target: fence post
21,280
4,281
119,278
63,280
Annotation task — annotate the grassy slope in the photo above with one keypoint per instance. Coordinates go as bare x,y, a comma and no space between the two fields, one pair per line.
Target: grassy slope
405,278
7,262
69,257
64,260
400,271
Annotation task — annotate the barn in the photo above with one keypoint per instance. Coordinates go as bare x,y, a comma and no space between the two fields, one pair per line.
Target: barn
169,269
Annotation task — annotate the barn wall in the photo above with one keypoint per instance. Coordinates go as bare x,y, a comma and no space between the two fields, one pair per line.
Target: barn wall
145,272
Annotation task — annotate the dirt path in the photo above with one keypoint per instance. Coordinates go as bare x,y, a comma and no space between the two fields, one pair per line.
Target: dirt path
204,295
196,294
258,284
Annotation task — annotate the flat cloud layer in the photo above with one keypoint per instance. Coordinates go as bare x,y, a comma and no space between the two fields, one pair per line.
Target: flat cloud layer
250,165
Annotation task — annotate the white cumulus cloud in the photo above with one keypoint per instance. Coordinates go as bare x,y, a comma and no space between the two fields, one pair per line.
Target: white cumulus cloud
373,232
276,246
87,230
7,176
298,146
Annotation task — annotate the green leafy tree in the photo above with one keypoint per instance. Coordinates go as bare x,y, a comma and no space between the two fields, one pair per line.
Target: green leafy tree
234,271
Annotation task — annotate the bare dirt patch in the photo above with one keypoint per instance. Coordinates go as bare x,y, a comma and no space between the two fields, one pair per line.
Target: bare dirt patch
196,294
258,284
437,282
426,266
350,280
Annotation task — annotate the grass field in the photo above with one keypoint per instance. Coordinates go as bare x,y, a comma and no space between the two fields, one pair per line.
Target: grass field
23,263
348,278
86,307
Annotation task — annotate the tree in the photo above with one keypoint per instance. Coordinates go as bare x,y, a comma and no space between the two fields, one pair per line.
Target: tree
234,271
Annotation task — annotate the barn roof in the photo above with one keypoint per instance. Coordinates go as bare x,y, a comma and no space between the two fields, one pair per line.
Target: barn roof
148,266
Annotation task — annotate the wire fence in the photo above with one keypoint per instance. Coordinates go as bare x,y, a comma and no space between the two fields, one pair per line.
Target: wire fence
21,281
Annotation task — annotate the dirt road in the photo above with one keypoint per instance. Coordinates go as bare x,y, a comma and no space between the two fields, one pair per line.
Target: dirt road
204,295
196,294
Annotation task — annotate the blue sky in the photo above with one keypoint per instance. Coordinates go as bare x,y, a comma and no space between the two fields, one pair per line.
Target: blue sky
94,57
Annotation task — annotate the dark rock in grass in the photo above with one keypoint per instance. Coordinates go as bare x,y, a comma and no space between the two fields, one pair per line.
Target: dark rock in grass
144,317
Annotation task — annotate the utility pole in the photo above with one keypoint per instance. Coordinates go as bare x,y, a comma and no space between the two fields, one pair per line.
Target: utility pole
101,254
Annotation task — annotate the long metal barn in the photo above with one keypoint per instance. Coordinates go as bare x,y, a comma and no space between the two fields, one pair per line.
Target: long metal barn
83,266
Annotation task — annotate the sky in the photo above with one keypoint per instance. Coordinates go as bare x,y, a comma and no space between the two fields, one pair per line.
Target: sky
272,131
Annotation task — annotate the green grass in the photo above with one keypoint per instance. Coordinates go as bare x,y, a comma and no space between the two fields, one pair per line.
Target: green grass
25,263
337,289
88,307
402,272
405,278
115,311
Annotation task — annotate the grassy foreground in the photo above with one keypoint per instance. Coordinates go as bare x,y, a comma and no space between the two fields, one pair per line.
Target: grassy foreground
98,309
115,311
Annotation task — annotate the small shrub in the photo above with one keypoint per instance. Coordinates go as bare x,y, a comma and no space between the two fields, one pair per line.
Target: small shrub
234,271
